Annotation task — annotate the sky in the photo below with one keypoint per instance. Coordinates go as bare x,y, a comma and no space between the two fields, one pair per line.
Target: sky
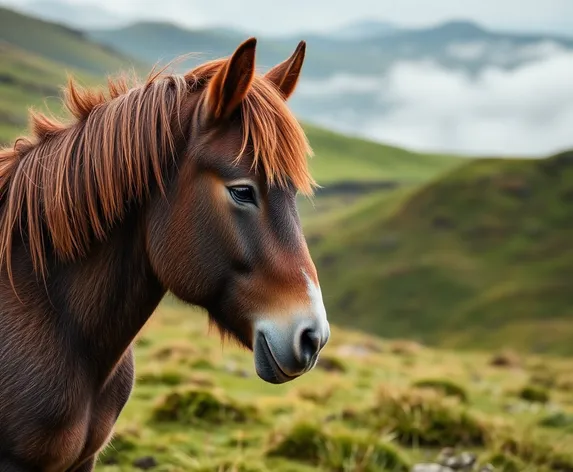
274,17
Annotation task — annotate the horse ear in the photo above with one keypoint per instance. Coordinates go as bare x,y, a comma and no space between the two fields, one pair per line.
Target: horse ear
285,75
229,86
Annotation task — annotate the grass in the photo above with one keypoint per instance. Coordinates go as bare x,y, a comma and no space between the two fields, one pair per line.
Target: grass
477,257
368,416
62,45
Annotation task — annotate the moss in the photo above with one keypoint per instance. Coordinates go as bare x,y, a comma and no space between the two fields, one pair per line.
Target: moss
534,394
444,386
200,406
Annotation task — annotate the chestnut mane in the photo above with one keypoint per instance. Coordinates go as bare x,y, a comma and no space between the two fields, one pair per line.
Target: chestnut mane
72,182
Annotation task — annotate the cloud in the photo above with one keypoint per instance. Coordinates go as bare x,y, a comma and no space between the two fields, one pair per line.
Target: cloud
526,111
503,52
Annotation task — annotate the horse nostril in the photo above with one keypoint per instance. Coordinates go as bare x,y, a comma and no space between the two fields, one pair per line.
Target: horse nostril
310,344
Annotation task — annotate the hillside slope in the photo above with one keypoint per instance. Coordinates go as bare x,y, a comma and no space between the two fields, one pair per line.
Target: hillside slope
480,257
61,44
28,80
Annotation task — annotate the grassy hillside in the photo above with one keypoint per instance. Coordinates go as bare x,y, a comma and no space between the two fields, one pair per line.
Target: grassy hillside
481,257
370,405
28,80
60,44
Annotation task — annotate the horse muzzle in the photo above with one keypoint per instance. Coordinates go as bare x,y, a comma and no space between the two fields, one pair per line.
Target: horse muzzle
285,351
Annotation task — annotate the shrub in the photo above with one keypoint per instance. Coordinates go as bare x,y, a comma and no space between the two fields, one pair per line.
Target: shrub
197,406
424,419
443,386
534,394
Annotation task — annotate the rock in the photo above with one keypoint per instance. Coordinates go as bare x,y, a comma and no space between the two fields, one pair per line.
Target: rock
452,462
457,462
467,460
487,468
431,468
446,453
145,463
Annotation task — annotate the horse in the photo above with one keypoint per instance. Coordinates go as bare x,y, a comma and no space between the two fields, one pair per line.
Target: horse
184,183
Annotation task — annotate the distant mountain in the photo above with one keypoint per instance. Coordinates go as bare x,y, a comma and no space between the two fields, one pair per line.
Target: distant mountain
364,29
461,44
82,16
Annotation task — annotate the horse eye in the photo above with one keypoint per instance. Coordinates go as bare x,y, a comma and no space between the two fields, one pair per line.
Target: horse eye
243,194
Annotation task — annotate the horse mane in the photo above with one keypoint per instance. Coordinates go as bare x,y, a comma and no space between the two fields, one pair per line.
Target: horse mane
73,181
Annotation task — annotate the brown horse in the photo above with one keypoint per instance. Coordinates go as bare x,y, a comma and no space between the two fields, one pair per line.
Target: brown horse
184,184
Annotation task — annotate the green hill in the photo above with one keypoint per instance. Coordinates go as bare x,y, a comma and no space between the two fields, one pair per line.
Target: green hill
28,80
481,257
60,44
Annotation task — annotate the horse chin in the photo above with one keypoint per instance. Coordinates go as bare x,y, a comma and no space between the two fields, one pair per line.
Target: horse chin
265,364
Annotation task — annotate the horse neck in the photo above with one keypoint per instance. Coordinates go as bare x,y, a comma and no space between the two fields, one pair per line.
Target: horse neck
111,294
95,306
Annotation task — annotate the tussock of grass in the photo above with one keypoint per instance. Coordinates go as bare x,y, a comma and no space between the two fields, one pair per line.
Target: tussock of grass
119,445
164,377
506,358
338,452
330,364
193,405
534,394
316,395
405,347
444,386
505,462
538,452
420,418
559,419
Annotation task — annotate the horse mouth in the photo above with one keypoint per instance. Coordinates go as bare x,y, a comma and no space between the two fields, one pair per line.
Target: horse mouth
268,369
